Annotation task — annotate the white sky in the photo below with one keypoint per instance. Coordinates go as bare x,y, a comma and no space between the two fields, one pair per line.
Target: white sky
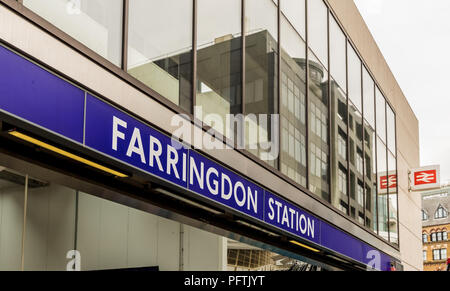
414,37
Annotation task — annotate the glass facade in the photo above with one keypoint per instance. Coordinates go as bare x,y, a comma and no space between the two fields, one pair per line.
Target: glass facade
318,99
288,60
356,154
293,92
339,117
166,65
219,56
261,75
370,177
62,224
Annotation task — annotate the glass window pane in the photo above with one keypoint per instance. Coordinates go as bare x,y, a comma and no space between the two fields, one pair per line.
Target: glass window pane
318,127
295,12
261,75
219,56
370,175
95,23
369,98
261,15
354,78
339,172
318,29
293,105
391,131
393,201
356,156
381,115
50,232
338,64
164,65
383,225
12,194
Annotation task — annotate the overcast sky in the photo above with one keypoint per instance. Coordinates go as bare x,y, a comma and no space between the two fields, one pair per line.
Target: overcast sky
414,37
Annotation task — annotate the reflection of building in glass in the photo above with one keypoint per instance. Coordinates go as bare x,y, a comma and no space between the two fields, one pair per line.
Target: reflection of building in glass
339,161
319,182
293,119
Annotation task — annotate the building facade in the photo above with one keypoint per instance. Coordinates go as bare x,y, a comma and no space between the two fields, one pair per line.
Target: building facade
202,135
436,224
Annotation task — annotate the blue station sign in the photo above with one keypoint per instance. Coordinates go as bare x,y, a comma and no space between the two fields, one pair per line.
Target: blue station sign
32,94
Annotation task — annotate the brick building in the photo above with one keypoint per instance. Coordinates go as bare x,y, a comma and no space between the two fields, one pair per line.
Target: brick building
436,224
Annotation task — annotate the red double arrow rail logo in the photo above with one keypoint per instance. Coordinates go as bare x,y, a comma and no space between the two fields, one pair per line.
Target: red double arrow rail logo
425,177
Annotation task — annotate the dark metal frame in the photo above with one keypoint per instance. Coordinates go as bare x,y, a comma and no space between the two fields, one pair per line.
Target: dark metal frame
376,153
126,7
17,7
363,147
330,152
194,58
307,119
387,172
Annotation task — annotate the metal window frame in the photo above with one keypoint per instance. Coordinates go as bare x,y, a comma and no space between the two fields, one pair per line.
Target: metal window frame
387,170
125,27
194,59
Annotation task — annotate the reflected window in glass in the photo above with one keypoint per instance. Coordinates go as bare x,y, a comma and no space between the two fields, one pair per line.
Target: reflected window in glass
293,100
261,76
219,56
318,127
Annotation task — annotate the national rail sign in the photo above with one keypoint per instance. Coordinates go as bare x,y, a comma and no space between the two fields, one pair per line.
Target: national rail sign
426,178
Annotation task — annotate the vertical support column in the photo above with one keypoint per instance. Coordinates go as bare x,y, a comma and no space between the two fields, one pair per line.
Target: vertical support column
77,206
243,75
363,147
330,152
24,229
376,158
348,131
307,97
279,87
396,176
194,57
243,57
181,253
126,5
387,172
